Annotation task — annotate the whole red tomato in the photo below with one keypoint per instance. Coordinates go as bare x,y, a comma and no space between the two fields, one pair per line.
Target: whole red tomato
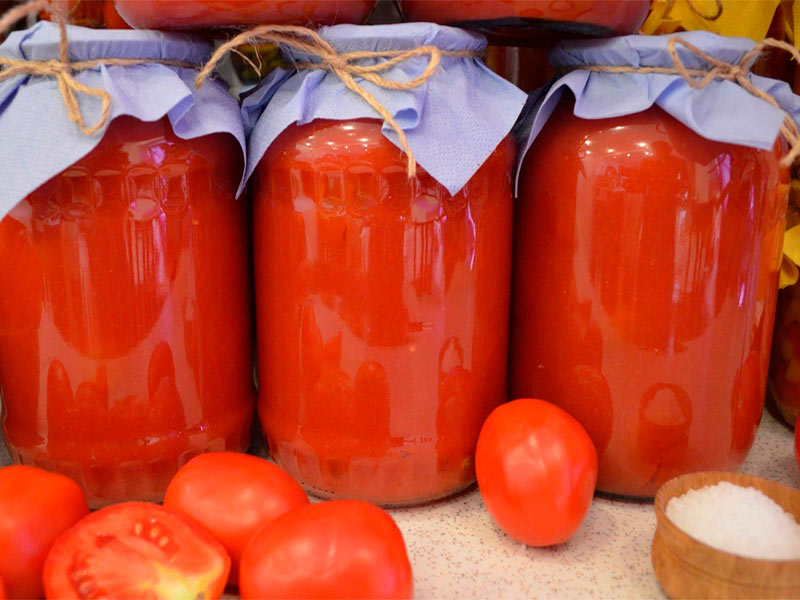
136,550
233,496
537,469
340,549
35,508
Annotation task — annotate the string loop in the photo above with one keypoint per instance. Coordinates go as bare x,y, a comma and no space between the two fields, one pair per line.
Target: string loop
719,69
345,66
63,71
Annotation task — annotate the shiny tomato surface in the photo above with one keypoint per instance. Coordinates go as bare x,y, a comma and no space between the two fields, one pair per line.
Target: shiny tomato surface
35,508
182,14
340,549
532,21
784,370
136,550
647,264
232,496
537,468
382,313
125,348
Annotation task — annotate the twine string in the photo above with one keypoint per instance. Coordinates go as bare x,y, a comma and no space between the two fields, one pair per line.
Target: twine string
62,70
345,66
719,69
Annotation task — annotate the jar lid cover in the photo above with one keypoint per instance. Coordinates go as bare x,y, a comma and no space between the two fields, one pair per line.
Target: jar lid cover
721,111
39,140
453,121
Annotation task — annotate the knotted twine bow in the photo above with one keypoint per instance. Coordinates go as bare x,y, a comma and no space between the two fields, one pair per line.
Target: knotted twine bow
736,72
345,66
62,70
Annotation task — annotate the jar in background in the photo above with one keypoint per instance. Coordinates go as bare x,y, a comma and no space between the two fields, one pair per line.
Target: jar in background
532,22
204,14
646,276
88,13
382,312
125,348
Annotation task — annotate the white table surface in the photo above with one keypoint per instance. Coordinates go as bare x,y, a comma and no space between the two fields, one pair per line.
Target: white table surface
457,552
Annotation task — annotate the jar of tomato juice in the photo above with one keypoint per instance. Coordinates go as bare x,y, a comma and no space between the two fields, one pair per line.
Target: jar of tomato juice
125,335
647,260
382,300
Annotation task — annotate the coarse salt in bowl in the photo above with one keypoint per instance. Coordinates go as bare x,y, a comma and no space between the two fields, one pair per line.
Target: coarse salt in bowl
737,519
740,539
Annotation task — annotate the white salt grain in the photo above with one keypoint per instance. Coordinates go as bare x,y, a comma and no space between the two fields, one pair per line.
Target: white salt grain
736,519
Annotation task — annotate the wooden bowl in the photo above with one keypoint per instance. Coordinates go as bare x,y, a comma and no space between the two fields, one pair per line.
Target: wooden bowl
688,568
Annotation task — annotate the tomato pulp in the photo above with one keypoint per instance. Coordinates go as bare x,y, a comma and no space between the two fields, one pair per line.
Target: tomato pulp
125,347
646,273
136,550
181,14
532,21
382,313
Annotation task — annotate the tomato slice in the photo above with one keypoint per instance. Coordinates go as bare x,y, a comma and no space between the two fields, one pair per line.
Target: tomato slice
136,550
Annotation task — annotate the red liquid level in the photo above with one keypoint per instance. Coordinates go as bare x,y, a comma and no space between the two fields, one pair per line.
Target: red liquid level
125,347
646,272
382,312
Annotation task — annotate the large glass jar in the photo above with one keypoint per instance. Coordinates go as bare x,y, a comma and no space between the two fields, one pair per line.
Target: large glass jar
531,21
382,312
125,328
646,273
181,14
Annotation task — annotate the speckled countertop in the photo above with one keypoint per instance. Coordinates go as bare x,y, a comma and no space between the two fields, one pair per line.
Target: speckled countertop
456,550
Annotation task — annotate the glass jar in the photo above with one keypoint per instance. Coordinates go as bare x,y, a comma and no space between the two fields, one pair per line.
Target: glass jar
784,373
518,22
646,275
181,14
125,347
382,312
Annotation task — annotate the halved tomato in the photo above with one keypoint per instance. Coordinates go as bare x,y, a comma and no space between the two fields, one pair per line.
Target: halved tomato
136,550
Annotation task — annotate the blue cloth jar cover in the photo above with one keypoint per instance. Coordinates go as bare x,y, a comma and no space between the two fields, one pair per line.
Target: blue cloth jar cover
453,121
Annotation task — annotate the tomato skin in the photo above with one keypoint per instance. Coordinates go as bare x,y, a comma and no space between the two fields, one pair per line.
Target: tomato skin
35,508
338,549
232,496
537,469
136,550
797,444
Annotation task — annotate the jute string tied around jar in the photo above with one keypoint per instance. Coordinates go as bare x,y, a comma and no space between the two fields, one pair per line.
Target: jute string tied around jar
345,66
719,69
62,70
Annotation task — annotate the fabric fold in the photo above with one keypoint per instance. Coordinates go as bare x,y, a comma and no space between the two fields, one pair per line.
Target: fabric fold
721,111
453,122
39,140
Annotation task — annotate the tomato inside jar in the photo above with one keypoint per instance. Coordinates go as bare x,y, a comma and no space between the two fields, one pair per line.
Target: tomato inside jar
125,347
382,312
532,21
646,275
204,14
